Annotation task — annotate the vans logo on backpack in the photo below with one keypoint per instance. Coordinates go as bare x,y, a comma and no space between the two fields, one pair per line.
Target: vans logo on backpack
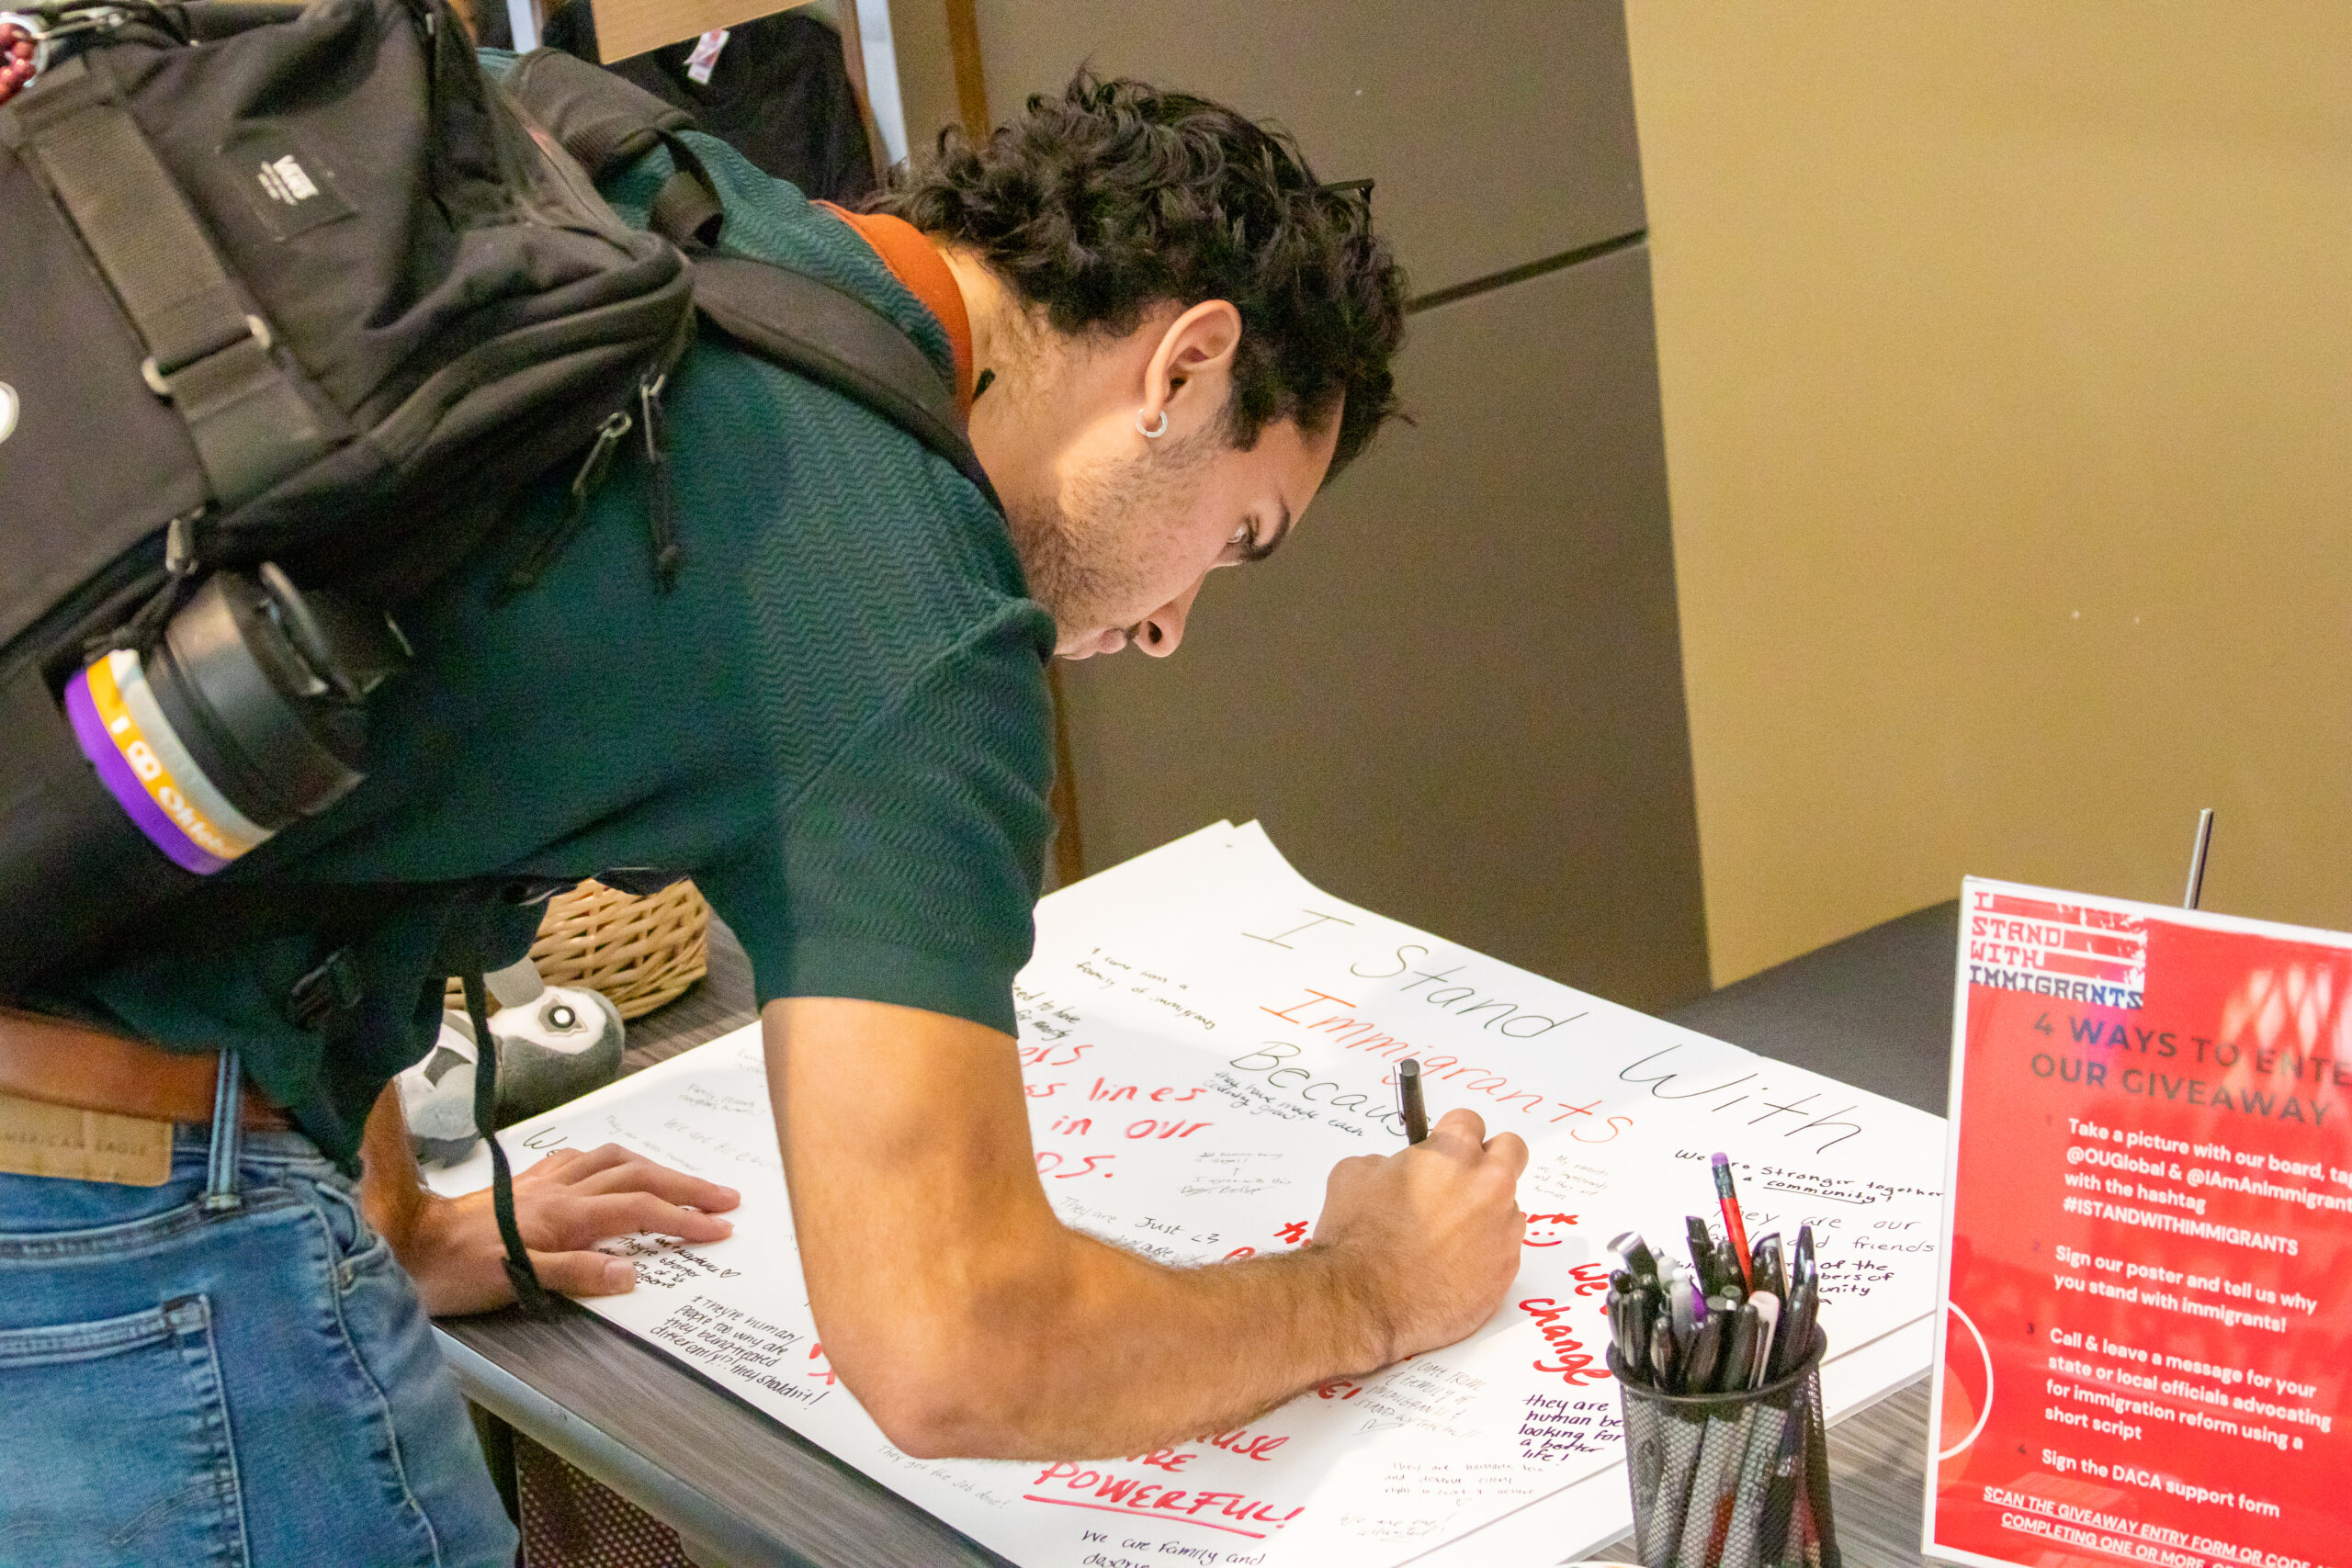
285,181
288,187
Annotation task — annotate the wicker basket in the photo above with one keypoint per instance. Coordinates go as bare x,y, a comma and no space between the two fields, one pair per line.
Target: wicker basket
639,952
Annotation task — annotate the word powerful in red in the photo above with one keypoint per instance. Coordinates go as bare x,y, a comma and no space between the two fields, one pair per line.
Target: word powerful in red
1233,1512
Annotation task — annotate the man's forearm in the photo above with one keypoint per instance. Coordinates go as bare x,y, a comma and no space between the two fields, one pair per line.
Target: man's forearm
968,1320
1128,1355
391,1185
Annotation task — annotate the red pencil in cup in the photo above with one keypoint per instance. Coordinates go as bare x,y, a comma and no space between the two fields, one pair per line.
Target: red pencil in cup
1734,1226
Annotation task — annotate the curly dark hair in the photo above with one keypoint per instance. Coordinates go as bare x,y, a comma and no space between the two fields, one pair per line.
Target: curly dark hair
1116,196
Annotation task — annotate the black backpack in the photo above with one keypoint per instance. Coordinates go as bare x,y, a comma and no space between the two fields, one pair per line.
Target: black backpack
800,323
281,273
293,300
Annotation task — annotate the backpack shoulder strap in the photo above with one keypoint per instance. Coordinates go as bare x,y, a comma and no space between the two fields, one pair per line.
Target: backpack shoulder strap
797,322
208,353
837,340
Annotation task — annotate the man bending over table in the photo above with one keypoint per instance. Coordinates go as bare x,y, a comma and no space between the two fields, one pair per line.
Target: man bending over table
1167,336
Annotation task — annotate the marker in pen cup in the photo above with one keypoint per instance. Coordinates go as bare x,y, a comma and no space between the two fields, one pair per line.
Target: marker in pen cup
1721,1398
1638,1258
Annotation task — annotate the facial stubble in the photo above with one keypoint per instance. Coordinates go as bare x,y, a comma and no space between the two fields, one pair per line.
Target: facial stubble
1090,553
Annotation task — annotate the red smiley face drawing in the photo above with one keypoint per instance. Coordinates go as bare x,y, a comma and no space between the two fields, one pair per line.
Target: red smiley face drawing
1549,1230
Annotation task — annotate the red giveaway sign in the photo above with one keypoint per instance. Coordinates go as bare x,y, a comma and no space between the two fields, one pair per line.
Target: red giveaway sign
2146,1339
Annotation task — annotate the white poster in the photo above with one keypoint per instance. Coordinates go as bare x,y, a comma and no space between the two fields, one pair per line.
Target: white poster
1203,1035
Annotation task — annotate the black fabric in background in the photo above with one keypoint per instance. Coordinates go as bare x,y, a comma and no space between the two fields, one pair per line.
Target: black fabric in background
493,28
780,95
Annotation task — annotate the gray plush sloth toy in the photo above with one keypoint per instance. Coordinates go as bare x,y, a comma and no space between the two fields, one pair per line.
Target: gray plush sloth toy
554,1044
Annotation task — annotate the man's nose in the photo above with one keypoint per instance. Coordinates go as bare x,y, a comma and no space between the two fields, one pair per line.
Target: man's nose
1158,632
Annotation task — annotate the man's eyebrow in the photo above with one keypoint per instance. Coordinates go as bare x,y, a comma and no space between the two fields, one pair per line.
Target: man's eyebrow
1257,552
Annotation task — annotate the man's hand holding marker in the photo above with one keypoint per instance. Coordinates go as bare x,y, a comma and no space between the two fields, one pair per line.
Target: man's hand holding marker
1437,1226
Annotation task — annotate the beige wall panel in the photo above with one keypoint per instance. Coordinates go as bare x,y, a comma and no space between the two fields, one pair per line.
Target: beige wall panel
2008,371
627,28
926,70
1455,696
1500,132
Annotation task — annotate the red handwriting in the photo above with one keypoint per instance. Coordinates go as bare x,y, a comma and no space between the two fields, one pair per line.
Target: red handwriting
1293,1232
1150,1129
1126,1494
1164,1459
1052,1055
1240,1441
1543,1230
1040,1090
1050,1161
816,1353
1074,1126
1103,1088
1576,1368
1320,1012
1338,1388
1592,1279
1240,1252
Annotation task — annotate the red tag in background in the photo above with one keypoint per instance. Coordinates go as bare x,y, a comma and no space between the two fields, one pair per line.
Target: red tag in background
2147,1333
704,58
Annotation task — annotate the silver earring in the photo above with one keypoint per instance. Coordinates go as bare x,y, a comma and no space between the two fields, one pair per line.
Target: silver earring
1152,435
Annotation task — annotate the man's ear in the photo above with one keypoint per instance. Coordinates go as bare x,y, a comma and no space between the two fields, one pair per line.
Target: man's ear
1191,374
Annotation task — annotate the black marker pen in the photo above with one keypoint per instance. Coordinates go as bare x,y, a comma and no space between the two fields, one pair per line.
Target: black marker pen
1630,1245
1408,1101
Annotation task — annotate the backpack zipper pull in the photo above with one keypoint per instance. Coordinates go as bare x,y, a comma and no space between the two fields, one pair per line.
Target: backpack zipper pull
659,520
600,458
592,470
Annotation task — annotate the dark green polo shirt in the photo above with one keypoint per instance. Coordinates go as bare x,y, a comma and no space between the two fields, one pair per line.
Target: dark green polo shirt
836,721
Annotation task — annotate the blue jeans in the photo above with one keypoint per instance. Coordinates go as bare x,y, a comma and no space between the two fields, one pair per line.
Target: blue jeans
255,1385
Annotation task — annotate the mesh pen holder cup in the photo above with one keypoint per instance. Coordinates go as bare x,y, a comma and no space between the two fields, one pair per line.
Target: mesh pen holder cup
1730,1480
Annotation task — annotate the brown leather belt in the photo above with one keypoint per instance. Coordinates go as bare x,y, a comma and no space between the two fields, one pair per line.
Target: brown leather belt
60,1063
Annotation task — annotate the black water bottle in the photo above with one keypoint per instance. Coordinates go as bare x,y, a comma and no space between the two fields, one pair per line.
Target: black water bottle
157,767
